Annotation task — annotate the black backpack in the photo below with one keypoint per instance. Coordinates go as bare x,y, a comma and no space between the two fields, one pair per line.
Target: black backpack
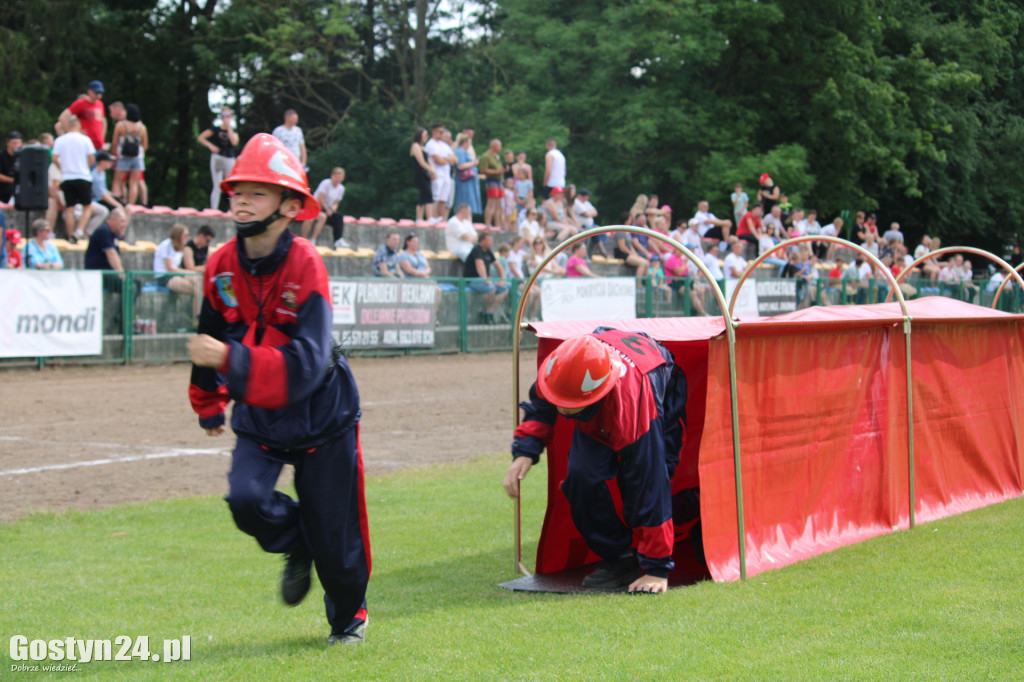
130,145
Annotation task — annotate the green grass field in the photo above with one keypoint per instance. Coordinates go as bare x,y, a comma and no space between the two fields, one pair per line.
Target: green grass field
941,602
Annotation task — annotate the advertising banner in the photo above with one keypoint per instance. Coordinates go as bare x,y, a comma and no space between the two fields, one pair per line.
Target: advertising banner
588,298
49,314
775,296
389,313
746,304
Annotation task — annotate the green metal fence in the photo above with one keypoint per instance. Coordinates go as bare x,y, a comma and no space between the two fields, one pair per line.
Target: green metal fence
146,322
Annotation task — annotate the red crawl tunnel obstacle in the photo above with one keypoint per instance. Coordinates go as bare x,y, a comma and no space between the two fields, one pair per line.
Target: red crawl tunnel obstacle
821,452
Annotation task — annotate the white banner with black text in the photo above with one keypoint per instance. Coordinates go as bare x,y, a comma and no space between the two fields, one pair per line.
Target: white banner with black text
587,298
49,314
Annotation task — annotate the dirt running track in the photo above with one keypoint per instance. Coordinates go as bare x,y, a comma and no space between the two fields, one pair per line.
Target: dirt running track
83,438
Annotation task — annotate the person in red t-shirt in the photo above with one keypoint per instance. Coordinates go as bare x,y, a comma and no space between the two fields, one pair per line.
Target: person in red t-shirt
89,110
750,226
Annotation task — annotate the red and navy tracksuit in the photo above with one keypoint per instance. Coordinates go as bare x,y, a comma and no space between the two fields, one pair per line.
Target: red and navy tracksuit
296,403
633,435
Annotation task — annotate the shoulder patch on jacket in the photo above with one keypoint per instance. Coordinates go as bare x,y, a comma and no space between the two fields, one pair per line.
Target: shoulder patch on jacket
226,289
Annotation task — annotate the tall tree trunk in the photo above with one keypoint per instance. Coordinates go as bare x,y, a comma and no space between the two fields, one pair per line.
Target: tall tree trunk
179,144
368,37
420,64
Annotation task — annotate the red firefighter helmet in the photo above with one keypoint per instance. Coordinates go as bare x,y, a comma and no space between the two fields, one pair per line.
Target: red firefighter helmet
265,159
581,371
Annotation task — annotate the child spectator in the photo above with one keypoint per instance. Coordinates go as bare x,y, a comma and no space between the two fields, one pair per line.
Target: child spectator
514,260
740,200
265,341
524,189
503,253
657,276
509,205
11,240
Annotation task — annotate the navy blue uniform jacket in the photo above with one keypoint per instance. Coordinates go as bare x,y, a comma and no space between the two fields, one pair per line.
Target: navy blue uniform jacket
275,315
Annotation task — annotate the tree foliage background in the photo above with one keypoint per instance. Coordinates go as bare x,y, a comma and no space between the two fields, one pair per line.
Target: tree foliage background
910,108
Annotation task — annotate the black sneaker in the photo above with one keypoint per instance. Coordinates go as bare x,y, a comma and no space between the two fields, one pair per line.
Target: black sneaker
355,634
614,574
295,579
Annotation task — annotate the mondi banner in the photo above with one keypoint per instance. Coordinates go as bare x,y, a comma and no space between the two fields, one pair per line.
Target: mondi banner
47,314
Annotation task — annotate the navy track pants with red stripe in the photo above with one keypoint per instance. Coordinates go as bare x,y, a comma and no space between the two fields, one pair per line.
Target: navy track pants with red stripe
644,473
328,521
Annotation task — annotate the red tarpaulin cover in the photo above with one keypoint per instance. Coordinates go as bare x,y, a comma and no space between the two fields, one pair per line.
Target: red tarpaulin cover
823,426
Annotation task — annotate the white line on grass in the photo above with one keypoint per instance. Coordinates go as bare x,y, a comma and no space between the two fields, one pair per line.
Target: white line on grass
185,452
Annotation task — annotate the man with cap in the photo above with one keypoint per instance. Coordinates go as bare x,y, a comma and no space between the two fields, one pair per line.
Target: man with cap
91,114
627,399
103,201
100,192
265,341
768,193
7,159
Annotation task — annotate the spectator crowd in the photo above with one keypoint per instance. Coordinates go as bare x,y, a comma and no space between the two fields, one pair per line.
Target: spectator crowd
527,210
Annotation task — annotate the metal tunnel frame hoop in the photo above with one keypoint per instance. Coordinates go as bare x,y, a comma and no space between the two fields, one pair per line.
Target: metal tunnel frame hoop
1002,285
730,327
968,249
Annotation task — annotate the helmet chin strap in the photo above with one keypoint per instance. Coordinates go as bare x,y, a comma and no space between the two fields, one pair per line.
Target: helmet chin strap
254,228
